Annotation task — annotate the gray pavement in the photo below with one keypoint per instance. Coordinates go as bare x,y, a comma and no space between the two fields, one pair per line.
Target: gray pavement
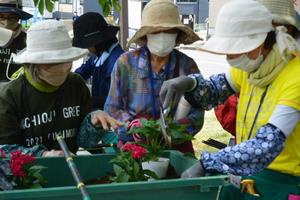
208,63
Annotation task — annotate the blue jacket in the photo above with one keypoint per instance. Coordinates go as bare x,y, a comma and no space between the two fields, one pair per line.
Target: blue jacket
101,75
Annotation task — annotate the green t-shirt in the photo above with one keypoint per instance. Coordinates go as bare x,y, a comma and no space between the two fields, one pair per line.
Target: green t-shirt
30,117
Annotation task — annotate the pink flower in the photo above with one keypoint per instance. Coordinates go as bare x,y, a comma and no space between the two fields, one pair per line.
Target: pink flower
135,123
17,162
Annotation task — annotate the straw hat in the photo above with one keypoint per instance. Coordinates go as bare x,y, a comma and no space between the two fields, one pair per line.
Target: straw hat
5,36
12,6
241,26
162,15
48,42
283,12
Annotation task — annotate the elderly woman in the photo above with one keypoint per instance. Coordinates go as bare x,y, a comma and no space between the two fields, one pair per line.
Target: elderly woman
47,100
265,71
138,75
11,14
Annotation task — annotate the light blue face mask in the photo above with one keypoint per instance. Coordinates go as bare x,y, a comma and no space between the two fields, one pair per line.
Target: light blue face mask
245,63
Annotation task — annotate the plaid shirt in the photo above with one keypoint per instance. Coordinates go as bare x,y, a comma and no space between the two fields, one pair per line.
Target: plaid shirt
130,94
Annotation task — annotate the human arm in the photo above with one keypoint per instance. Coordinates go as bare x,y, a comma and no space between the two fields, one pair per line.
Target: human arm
200,93
86,70
95,127
254,155
116,102
185,114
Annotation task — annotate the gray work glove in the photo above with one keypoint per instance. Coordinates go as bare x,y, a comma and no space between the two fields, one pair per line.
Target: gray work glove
172,90
194,171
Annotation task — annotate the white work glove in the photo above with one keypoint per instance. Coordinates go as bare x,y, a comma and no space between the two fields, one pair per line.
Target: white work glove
172,90
194,171
53,153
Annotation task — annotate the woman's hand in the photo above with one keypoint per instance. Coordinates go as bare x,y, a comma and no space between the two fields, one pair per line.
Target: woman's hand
102,119
172,90
53,153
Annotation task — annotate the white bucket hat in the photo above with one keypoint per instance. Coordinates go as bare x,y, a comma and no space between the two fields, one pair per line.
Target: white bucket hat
283,12
162,15
241,26
48,42
5,36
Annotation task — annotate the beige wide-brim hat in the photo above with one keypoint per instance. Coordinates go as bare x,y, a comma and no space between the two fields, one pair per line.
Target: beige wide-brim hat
162,15
241,26
48,42
5,36
283,12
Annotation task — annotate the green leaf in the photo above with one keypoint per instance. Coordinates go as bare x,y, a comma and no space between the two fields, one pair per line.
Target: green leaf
37,167
117,169
150,173
123,178
106,10
49,5
36,186
102,2
41,6
136,169
116,5
36,2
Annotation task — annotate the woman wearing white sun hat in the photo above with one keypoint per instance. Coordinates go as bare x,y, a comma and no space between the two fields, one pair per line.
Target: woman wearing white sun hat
48,99
265,70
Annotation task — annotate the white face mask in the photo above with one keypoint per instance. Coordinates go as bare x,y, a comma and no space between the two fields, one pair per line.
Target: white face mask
55,75
6,37
245,63
161,44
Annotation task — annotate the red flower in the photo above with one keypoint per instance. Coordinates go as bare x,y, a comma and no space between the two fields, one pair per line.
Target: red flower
17,162
138,153
128,147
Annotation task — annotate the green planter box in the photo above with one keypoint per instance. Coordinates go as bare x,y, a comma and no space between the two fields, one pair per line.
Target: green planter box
61,185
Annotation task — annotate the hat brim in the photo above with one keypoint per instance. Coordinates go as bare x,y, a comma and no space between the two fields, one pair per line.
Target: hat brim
102,36
286,20
21,14
233,45
5,37
186,36
48,57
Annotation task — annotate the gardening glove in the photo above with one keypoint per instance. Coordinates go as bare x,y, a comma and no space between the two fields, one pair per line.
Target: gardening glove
195,171
172,90
53,153
100,118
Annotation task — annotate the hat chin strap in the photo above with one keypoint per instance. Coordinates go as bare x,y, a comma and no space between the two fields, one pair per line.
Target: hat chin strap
7,68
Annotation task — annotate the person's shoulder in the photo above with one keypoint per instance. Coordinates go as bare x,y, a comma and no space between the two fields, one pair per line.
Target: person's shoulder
130,56
11,88
182,55
118,49
291,69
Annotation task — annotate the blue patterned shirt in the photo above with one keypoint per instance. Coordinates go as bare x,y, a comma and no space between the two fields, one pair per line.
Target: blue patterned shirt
130,94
